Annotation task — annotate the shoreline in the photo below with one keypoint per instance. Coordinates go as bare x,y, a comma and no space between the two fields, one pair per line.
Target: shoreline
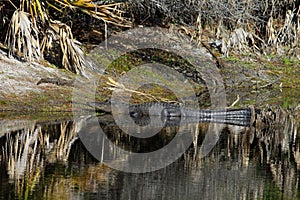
20,92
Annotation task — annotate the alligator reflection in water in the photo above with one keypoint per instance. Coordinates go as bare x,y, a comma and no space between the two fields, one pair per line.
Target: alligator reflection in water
49,161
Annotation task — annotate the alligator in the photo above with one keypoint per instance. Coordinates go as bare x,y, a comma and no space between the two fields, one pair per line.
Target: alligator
172,114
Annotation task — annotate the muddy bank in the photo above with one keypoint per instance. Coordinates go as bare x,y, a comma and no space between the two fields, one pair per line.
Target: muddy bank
251,81
20,91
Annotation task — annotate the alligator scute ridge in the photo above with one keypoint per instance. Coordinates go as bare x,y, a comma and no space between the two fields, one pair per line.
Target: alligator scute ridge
172,114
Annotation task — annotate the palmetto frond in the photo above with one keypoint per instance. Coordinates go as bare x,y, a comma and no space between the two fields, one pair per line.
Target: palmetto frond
22,36
72,55
33,19
108,13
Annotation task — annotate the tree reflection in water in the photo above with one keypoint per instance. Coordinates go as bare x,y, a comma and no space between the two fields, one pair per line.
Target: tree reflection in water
49,161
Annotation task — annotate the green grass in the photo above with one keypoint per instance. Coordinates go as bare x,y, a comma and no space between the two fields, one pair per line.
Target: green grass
290,62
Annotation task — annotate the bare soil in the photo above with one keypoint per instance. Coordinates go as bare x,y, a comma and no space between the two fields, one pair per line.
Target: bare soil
20,92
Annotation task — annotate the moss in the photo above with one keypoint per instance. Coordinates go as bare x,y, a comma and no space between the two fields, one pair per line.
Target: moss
39,116
286,68
232,59
290,62
56,100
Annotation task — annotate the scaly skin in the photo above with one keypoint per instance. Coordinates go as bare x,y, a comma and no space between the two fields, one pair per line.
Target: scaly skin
174,114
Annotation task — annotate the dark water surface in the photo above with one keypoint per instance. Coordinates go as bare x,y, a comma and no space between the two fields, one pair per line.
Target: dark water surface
50,161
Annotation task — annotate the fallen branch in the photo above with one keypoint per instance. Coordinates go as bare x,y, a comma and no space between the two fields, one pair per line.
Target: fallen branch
236,101
269,84
118,86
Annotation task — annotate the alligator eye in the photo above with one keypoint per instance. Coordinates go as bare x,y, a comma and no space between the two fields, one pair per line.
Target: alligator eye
134,114
165,113
171,112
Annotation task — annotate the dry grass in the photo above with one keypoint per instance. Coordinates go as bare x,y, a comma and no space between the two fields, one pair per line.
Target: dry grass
267,27
270,26
72,55
33,20
116,86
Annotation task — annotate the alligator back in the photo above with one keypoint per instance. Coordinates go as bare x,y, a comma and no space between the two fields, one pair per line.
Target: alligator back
172,114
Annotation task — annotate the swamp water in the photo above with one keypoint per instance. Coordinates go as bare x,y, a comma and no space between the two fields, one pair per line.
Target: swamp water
51,160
